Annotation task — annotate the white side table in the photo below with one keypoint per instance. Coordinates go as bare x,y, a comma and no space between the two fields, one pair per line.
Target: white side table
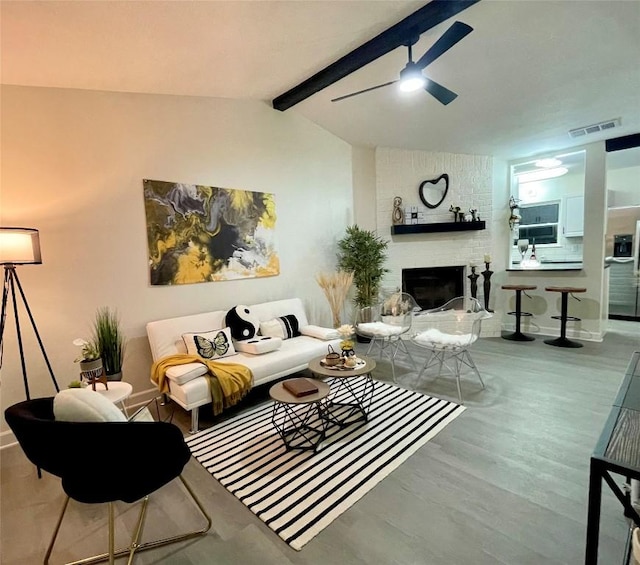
118,392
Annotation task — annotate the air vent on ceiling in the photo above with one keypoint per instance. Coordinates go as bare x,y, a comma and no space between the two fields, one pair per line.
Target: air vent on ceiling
595,128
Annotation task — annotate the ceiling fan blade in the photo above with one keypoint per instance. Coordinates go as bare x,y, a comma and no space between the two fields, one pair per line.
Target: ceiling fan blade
362,91
439,92
449,38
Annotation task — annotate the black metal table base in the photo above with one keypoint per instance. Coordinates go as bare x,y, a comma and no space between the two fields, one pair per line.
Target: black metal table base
350,400
563,342
301,426
519,314
518,336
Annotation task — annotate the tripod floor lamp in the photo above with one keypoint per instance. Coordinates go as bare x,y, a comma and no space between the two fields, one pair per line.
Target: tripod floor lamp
19,246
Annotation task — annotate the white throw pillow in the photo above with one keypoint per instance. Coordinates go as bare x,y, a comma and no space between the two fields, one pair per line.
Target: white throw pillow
319,332
210,345
284,327
259,345
85,405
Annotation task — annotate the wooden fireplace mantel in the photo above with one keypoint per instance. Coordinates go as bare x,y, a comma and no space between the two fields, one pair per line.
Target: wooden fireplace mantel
404,229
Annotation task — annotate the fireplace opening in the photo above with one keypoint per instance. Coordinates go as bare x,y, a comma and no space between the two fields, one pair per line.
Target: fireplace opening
433,286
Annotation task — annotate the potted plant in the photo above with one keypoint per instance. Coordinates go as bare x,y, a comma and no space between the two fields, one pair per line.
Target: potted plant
363,253
89,359
108,336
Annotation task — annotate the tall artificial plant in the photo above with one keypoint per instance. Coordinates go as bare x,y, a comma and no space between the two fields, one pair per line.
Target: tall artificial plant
108,335
363,253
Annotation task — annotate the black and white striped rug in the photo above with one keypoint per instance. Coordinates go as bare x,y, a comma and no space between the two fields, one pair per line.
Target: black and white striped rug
298,493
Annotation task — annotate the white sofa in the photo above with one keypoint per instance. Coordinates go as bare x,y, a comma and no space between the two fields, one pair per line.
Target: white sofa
187,385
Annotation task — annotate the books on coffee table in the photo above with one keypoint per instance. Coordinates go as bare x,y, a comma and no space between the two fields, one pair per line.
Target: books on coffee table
300,387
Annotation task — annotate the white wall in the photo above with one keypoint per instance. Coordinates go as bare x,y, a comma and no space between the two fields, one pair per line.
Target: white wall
623,187
364,187
73,164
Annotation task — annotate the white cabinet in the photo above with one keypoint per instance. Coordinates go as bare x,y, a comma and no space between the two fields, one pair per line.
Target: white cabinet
574,216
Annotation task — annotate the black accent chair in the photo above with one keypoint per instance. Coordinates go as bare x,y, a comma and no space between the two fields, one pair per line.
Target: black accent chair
147,455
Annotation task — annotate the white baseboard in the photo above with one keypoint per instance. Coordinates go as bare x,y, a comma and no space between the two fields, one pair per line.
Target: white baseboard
7,439
553,331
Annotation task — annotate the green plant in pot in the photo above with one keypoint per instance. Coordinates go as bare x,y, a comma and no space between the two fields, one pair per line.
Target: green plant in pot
107,334
363,253
89,358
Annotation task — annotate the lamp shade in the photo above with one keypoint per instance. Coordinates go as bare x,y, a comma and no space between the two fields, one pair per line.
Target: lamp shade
19,246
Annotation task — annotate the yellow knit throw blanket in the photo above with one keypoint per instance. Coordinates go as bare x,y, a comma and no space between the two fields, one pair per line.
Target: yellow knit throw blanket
234,380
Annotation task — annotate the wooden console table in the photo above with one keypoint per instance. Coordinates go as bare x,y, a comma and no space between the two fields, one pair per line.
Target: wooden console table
617,451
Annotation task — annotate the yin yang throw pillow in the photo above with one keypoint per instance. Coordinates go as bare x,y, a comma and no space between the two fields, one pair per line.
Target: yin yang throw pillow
242,323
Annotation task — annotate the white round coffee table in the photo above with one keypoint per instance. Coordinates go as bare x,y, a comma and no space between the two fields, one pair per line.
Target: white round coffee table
117,393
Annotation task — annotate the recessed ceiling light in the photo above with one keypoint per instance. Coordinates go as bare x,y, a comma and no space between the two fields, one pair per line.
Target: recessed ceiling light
542,174
548,163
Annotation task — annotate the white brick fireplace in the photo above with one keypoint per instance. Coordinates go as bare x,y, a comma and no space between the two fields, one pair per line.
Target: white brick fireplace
399,172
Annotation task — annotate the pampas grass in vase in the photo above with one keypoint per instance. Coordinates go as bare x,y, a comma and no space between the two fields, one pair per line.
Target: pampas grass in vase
335,287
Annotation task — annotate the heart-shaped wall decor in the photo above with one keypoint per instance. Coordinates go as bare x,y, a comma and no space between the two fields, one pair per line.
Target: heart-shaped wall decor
432,193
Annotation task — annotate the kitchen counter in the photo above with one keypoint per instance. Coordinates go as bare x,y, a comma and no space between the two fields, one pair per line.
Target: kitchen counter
549,266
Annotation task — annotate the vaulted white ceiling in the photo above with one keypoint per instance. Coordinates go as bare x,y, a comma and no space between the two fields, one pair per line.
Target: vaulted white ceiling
529,72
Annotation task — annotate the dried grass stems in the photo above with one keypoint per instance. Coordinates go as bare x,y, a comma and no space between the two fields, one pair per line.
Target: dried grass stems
335,287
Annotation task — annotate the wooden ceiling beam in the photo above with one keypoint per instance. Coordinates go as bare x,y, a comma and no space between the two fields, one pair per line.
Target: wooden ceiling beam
427,17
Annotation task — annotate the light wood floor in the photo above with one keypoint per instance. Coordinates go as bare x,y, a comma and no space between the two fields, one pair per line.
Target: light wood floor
505,483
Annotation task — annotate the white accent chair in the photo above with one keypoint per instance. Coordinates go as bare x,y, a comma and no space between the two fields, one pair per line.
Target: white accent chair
451,330
385,324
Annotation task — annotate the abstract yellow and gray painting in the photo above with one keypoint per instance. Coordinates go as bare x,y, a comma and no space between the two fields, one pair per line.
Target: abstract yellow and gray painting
202,233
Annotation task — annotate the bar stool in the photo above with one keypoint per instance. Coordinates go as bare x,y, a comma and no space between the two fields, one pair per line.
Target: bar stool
518,313
562,341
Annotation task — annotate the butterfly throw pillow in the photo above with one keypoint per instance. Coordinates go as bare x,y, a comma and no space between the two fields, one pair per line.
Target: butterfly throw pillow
210,345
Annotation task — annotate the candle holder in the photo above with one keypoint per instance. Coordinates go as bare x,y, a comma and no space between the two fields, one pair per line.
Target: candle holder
487,285
473,277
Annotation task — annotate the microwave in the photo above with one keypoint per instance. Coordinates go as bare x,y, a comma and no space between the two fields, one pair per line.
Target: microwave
539,234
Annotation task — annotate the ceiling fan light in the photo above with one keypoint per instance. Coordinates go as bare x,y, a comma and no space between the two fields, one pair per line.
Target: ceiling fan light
412,83
411,78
